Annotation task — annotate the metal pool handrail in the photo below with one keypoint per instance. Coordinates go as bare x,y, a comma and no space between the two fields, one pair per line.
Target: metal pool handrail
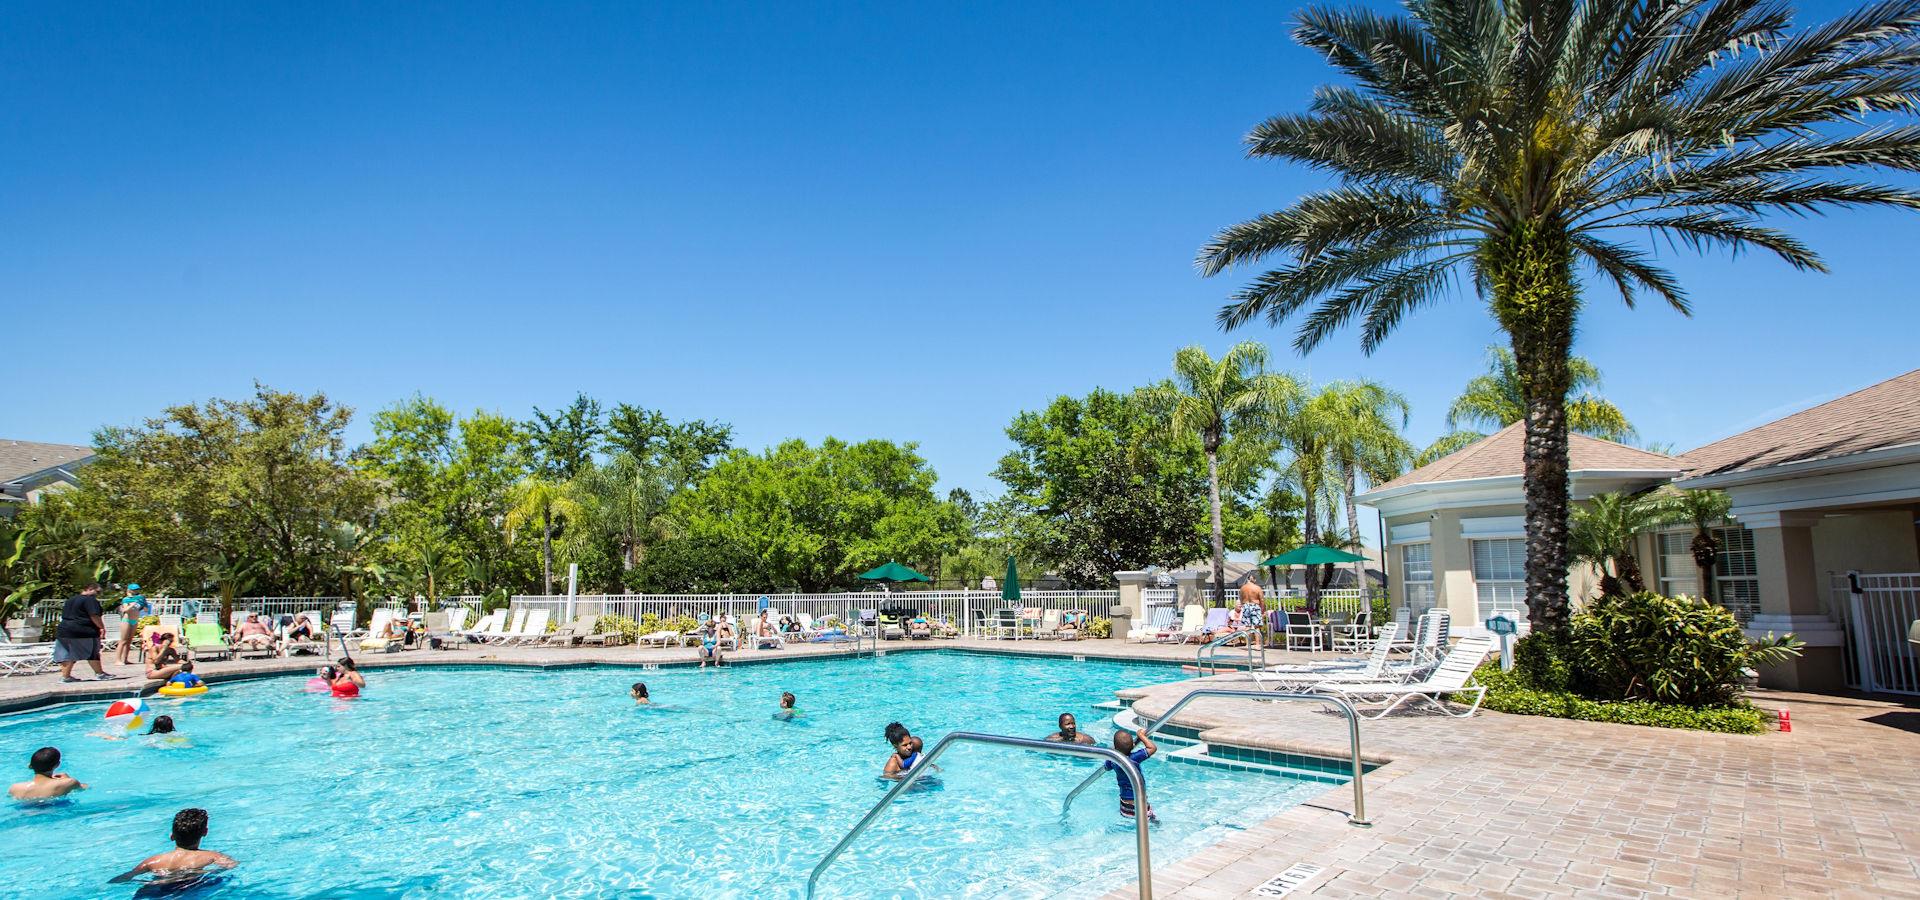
1254,639
1359,816
1105,754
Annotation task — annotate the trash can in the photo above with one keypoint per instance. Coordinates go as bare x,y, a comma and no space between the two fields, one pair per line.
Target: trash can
1122,619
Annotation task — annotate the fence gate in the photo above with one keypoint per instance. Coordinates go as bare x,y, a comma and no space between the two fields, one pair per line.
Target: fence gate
1880,610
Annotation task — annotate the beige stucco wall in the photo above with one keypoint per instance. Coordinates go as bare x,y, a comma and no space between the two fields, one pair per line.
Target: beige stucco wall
1453,561
1877,541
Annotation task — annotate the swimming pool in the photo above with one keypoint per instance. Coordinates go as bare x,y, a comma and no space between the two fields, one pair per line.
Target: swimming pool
495,782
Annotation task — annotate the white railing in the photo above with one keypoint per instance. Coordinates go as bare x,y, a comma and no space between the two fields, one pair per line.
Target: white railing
967,610
1879,610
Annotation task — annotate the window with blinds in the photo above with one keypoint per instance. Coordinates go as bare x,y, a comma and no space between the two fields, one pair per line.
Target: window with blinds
1500,577
1736,582
1416,572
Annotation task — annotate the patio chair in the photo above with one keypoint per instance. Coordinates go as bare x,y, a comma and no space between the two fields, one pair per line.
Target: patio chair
1354,635
572,633
503,635
1216,621
1303,633
206,641
1073,625
1454,675
1047,626
25,659
376,638
1193,623
110,631
477,633
342,623
534,630
1006,624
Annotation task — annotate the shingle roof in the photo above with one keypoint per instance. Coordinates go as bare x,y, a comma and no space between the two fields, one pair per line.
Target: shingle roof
19,459
1503,453
1874,418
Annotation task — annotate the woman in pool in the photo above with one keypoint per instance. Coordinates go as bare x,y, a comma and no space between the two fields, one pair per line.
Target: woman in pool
906,752
639,692
346,680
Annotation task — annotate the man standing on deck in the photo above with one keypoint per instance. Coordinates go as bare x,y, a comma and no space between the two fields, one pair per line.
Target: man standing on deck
1253,605
78,637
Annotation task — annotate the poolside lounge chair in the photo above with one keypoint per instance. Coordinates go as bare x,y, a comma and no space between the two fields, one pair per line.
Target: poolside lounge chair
376,639
1193,623
476,633
342,623
508,633
1158,621
574,632
206,641
110,631
1216,620
944,628
1453,676
1373,668
25,659
1355,634
1048,625
534,631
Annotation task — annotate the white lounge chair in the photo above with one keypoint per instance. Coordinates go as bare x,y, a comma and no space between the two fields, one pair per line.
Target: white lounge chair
1193,623
573,632
376,638
477,633
1453,676
1373,668
25,659
534,631
503,635
110,631
1159,621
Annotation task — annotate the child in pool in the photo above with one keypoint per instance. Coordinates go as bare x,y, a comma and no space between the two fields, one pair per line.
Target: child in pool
185,677
788,711
162,725
639,692
1125,742
906,752
186,858
46,783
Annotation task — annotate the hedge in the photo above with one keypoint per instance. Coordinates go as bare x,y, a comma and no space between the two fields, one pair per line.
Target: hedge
1506,693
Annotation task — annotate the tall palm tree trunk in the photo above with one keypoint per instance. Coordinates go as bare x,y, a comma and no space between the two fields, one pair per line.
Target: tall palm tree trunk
1310,529
1536,303
546,551
1353,531
1219,532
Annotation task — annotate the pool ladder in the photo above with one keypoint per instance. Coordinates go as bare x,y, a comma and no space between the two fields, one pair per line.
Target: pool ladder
1208,657
1104,754
1144,860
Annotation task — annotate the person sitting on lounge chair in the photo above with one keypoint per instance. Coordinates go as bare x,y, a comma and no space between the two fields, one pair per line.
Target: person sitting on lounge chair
300,630
919,628
764,634
254,634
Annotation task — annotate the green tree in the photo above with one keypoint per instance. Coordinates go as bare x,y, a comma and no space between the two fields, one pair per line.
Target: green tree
624,502
1364,419
446,482
1705,510
1504,143
816,517
1216,400
683,449
1604,530
259,481
547,506
564,442
1097,485
1493,401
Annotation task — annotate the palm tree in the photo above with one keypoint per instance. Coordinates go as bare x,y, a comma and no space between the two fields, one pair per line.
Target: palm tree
1503,143
537,499
1307,433
353,546
1704,510
1365,442
1494,400
624,501
1217,398
1603,534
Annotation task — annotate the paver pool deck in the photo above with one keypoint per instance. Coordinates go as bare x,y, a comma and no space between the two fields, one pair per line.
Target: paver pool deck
1494,805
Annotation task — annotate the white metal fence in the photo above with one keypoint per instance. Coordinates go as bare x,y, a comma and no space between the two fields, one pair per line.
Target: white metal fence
1877,611
967,610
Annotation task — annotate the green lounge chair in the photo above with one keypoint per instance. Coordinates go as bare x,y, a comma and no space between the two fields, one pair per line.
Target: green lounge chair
206,640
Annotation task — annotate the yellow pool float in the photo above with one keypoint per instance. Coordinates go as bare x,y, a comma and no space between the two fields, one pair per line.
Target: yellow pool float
175,690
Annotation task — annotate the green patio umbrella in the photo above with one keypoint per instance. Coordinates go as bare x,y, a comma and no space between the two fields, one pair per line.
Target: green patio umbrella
892,571
1010,589
1313,555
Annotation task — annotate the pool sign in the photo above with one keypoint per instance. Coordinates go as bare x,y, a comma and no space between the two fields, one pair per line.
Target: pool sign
1505,627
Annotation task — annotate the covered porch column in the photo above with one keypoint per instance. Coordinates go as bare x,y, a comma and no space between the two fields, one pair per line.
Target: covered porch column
1790,602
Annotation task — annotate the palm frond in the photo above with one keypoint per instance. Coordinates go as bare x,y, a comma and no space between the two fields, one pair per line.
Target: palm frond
1631,269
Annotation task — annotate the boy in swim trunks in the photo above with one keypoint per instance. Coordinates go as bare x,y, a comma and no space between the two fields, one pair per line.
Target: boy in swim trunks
185,677
46,784
788,711
189,827
1124,742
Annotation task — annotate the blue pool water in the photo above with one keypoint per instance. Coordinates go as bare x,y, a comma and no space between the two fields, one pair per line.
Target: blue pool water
480,782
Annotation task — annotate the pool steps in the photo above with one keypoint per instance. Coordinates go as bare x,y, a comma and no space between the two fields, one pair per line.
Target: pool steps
1190,750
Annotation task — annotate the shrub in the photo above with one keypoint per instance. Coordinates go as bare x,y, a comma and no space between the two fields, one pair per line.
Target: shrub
1680,650
1507,692
624,626
649,623
1099,627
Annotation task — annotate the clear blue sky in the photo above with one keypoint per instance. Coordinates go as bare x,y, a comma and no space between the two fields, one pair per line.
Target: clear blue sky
884,220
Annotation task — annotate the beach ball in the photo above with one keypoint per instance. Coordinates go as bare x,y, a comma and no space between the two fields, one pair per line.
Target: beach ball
128,714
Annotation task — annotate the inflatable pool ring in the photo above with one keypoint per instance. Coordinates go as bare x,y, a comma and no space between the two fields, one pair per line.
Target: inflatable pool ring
318,686
180,690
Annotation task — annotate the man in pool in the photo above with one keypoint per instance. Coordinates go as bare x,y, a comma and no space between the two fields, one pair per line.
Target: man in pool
186,858
46,783
1069,732
1136,747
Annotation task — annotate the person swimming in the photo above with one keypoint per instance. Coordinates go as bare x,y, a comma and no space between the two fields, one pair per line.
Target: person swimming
186,861
46,784
1069,732
162,725
788,710
906,752
639,693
